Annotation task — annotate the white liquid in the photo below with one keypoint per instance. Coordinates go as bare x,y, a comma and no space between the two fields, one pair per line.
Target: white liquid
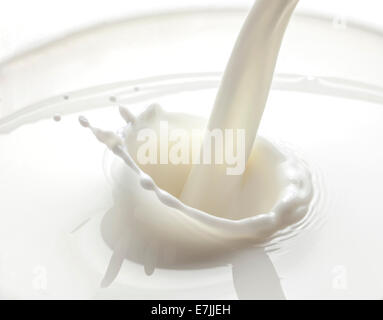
282,183
241,100
38,232
153,229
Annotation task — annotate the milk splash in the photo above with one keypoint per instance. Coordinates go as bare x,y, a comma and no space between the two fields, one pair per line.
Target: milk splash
198,211
169,223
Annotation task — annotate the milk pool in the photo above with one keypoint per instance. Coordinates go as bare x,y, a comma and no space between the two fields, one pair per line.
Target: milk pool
50,239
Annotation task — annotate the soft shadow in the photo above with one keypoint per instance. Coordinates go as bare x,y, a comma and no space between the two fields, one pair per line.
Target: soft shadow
255,277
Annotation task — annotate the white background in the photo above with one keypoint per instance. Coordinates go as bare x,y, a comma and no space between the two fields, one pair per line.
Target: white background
26,23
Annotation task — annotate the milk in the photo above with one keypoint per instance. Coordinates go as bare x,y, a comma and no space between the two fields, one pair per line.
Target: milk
198,209
241,100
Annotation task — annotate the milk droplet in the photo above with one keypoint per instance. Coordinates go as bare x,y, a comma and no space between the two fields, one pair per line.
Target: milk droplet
127,115
83,121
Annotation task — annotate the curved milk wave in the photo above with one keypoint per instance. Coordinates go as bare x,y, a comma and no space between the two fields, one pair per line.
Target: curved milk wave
291,205
199,209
